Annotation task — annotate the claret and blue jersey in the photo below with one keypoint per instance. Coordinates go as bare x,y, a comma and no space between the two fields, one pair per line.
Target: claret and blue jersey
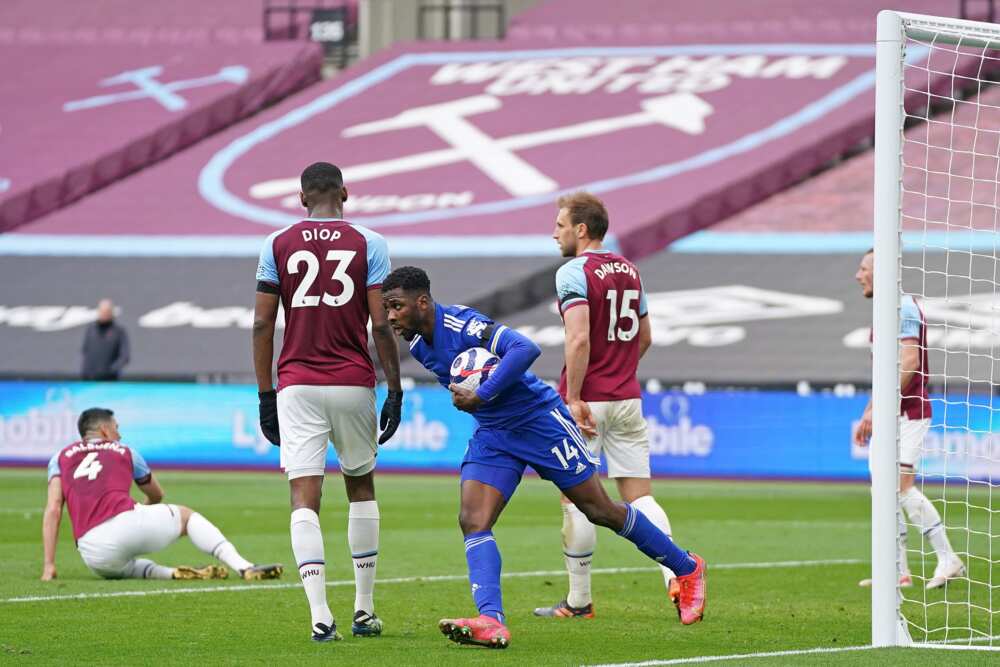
323,269
611,287
511,395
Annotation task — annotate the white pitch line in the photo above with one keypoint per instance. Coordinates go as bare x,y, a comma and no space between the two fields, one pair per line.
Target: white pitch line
735,656
431,578
771,654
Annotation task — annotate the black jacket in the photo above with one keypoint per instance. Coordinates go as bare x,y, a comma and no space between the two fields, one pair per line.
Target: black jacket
105,351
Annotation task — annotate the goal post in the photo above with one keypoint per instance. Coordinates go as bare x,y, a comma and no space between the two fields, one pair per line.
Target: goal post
937,239
889,54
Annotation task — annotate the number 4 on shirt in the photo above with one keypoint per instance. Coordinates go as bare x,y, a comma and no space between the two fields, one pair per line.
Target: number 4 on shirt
89,467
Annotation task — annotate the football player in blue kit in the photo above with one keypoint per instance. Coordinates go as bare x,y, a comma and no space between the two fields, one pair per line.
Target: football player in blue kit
521,422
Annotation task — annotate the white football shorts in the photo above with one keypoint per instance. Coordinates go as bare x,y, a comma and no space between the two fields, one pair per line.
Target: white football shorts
310,416
621,437
109,548
911,440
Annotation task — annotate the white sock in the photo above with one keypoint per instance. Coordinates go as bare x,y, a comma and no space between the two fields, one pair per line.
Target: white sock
307,545
579,541
362,536
923,513
652,510
210,539
143,568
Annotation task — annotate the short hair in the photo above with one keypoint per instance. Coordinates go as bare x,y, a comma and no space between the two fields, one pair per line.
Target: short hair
408,279
586,209
91,419
322,177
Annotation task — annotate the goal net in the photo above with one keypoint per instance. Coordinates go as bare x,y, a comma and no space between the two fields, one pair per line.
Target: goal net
937,234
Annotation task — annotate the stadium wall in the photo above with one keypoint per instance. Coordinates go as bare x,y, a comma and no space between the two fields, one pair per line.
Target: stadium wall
737,434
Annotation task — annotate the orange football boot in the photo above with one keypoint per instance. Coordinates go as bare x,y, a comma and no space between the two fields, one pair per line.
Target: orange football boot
691,599
480,631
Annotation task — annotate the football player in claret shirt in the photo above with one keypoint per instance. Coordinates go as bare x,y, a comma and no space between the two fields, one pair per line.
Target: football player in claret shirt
326,273
521,422
93,477
603,306
914,422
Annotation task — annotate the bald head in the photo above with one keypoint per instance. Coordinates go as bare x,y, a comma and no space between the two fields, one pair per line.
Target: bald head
105,310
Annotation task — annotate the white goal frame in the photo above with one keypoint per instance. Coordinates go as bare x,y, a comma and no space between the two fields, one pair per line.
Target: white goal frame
894,28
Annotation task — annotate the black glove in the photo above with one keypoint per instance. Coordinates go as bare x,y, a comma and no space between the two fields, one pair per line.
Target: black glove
269,416
392,410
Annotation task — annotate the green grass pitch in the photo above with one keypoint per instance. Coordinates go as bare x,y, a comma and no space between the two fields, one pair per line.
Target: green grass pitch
819,530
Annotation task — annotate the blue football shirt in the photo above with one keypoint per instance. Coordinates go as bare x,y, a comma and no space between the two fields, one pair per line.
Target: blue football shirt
457,329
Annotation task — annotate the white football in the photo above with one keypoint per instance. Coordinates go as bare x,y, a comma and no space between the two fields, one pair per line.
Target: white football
472,367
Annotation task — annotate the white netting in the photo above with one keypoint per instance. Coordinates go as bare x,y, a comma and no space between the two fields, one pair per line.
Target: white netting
950,236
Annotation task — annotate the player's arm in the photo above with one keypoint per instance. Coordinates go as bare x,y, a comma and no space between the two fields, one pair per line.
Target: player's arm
909,360
265,315
571,290
863,432
388,358
382,336
910,322
645,335
577,348
645,329
909,365
576,319
517,352
385,341
51,518
143,478
152,490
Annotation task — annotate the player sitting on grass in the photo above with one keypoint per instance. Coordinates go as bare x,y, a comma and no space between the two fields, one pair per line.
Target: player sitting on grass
93,477
521,421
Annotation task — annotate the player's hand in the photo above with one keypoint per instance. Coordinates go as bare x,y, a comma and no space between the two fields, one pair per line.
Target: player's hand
269,416
863,433
392,411
463,399
49,572
583,417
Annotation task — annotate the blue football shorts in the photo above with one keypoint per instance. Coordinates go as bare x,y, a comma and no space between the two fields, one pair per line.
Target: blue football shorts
550,443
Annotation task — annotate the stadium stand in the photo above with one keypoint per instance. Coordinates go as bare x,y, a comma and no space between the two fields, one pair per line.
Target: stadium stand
137,82
457,152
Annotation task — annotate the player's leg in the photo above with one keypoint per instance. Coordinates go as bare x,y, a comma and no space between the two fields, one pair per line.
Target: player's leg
919,509
351,412
143,568
110,549
579,539
490,475
633,525
159,526
362,538
480,506
582,486
107,550
208,538
304,434
627,451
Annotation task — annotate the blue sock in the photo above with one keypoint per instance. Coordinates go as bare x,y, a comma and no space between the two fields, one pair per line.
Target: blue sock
483,556
653,542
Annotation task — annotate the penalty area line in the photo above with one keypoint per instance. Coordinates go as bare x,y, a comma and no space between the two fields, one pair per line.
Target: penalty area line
736,656
945,644
414,580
